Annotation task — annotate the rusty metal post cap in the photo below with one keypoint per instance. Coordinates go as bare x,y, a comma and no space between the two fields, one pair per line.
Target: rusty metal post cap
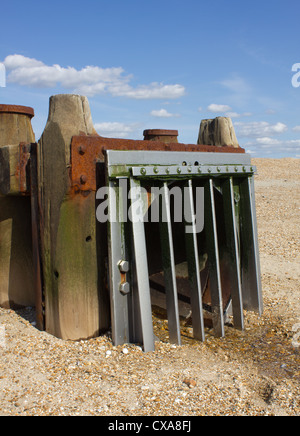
13,109
160,132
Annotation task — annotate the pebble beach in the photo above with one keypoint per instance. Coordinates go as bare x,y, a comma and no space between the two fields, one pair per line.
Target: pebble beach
251,373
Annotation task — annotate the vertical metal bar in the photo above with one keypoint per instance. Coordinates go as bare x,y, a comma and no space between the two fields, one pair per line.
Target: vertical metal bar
142,275
169,266
232,249
116,251
250,261
193,264
213,259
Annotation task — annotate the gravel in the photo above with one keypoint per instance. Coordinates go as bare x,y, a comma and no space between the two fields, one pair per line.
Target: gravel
255,372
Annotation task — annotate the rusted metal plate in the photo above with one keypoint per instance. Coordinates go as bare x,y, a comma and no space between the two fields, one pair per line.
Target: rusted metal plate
168,136
86,151
14,109
160,132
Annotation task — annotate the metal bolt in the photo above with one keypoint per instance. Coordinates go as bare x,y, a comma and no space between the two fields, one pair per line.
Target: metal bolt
143,171
125,288
189,169
124,266
168,170
83,179
219,169
236,169
237,197
179,170
82,150
209,170
156,170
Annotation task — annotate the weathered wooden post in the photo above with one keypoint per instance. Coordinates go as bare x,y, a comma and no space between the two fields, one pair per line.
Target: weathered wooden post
67,228
16,270
218,132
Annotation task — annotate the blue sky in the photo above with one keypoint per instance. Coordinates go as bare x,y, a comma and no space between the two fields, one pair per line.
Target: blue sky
160,64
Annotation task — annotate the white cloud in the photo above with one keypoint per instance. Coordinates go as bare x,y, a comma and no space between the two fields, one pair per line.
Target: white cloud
277,128
232,115
18,61
237,115
227,111
294,143
146,92
273,146
31,72
115,129
296,129
163,113
259,129
268,141
218,108
90,80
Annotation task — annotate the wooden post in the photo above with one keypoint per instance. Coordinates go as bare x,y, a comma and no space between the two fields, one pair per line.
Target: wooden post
67,228
219,132
16,270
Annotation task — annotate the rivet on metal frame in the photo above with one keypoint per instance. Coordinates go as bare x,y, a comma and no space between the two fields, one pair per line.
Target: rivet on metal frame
124,266
125,288
83,179
82,150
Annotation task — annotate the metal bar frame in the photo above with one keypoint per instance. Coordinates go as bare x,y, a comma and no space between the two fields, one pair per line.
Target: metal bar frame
250,260
233,252
211,235
116,253
168,259
141,269
132,314
193,267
